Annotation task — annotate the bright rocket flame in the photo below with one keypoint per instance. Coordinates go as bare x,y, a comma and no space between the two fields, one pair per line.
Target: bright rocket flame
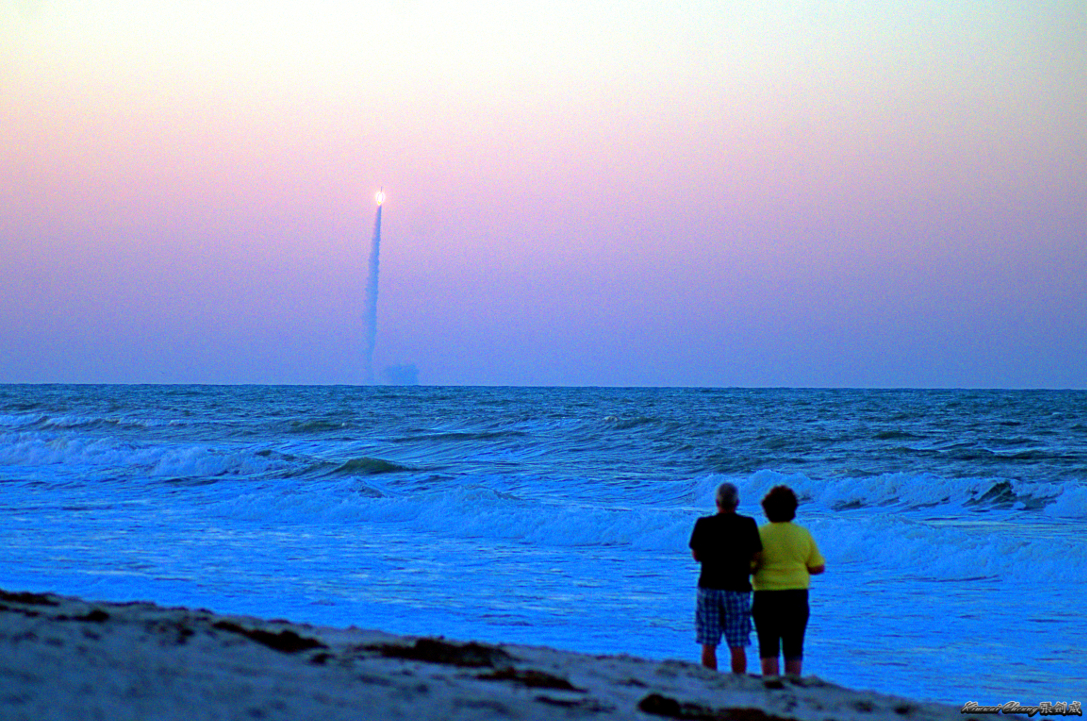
380,196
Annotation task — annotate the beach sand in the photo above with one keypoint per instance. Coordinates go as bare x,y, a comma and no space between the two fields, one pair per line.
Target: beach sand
66,658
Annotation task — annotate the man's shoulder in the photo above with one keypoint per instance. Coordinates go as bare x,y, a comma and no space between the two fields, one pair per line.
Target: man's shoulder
751,530
744,521
704,524
700,526
704,520
727,522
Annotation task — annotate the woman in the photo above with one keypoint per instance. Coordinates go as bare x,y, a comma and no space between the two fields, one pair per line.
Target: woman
782,575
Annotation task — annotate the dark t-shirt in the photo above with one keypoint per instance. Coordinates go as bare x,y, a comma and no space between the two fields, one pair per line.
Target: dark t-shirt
725,544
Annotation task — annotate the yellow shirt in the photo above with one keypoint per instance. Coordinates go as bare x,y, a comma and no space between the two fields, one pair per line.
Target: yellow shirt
788,550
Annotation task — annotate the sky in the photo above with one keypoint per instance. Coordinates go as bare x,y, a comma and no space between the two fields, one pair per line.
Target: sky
803,194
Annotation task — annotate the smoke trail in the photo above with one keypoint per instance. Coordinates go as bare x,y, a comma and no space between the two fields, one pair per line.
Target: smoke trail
371,293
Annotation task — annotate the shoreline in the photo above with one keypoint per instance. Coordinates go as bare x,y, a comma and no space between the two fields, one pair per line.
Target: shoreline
64,658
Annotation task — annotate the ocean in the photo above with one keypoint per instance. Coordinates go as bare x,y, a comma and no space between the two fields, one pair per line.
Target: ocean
951,520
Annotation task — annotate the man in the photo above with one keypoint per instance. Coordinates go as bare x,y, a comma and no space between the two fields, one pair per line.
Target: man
726,545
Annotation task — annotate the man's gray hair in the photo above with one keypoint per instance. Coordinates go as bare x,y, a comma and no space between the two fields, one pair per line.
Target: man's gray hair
728,495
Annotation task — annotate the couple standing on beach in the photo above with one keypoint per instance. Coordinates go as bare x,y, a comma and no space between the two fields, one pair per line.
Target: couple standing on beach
781,556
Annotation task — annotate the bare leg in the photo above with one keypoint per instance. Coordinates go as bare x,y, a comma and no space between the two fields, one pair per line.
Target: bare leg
770,666
709,656
739,659
792,666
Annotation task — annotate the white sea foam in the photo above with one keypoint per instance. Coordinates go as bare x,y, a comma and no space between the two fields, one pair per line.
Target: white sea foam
1069,501
922,538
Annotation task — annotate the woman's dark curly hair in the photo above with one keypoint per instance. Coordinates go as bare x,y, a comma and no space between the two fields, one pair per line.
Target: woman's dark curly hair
780,504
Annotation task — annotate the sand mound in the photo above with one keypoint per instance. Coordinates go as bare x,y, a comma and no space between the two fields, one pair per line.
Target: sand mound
65,658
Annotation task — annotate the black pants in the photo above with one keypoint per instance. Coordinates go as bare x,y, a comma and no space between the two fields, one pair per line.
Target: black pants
781,617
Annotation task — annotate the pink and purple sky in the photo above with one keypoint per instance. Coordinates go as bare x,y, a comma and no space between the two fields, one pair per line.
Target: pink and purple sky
866,194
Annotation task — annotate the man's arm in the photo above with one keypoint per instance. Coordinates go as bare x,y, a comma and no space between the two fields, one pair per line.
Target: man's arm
816,570
694,542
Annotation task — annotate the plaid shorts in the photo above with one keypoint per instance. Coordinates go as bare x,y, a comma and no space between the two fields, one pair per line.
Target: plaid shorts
727,612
